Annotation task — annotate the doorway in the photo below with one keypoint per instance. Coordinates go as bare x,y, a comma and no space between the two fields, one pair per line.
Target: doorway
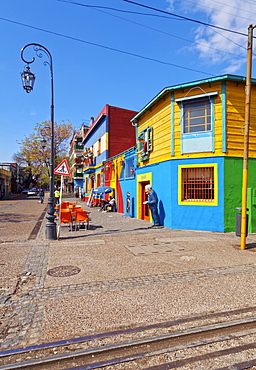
145,214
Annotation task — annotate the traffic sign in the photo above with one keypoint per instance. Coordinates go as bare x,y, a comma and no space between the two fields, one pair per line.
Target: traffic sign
62,169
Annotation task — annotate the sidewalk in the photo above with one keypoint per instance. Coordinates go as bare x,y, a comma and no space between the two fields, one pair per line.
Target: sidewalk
119,273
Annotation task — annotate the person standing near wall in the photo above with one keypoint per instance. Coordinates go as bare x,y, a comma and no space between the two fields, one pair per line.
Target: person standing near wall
152,204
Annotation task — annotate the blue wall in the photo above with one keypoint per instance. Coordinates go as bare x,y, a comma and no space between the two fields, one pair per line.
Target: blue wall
161,183
78,182
129,186
187,217
97,132
197,217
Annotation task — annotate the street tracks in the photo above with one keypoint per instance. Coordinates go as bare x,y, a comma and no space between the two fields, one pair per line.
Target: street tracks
217,339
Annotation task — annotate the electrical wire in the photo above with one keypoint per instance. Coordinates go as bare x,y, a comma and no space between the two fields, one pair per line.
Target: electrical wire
186,18
234,7
99,9
115,9
107,47
221,11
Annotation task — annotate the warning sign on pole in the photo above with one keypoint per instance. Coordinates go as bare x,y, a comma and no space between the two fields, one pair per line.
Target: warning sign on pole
62,169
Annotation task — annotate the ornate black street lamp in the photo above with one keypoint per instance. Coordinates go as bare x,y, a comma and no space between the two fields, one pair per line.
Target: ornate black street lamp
28,79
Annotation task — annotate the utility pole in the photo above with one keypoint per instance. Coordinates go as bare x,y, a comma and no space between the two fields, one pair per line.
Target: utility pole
246,137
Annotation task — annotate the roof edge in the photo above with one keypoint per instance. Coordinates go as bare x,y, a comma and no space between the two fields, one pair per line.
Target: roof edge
189,84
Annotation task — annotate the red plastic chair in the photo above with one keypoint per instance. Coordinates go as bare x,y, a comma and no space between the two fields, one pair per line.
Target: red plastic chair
81,216
66,218
64,205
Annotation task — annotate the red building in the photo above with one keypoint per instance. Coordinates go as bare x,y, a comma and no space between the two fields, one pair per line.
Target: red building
108,135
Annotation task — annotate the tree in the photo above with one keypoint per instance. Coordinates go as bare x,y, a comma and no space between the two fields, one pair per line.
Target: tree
35,150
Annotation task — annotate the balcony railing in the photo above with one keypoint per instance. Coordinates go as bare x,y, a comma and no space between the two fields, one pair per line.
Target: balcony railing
79,147
78,160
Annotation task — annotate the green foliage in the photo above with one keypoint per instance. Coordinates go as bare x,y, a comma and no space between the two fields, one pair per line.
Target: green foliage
35,149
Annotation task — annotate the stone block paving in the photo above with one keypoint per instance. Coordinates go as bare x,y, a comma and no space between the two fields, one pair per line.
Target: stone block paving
118,254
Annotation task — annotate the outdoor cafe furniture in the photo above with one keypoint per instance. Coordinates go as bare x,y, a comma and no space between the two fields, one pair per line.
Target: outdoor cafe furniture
66,217
81,216
74,207
64,205
74,215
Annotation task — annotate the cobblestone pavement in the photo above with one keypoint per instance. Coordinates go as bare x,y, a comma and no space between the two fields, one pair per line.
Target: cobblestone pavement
116,274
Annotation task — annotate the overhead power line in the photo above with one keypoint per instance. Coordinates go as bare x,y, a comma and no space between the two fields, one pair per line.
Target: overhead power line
221,11
115,9
99,9
107,47
186,18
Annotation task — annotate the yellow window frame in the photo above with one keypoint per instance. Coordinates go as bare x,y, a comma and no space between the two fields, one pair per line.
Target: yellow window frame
214,202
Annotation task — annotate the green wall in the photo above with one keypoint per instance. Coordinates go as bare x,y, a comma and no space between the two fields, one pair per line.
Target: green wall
233,173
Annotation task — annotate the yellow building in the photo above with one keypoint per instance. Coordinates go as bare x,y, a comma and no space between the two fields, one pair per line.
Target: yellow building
5,182
190,143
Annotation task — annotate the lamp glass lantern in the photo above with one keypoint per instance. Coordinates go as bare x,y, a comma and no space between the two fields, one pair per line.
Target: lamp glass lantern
28,79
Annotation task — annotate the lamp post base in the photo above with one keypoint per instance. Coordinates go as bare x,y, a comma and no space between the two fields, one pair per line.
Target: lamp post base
50,227
50,231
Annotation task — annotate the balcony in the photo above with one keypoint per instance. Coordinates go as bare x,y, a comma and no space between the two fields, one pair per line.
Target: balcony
78,160
79,147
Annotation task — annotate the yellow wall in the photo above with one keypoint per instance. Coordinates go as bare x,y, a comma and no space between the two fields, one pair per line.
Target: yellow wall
236,120
6,182
158,117
217,124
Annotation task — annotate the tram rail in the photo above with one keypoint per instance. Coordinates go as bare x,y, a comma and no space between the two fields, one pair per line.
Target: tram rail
146,346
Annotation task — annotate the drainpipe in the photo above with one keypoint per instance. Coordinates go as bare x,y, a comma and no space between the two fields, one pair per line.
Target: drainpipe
135,124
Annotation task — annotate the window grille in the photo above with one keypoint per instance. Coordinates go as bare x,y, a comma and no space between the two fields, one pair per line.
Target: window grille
198,184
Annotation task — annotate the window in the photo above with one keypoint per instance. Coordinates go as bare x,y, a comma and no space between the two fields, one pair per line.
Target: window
98,178
144,144
198,185
86,184
99,147
196,116
122,169
108,172
129,167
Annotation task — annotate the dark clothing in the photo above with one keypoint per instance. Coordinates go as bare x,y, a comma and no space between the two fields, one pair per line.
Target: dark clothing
41,196
152,204
110,204
102,205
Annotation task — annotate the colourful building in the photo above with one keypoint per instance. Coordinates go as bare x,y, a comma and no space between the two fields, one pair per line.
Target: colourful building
119,173
190,149
76,156
110,133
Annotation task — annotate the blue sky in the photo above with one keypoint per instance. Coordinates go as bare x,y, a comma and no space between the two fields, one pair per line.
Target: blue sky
93,49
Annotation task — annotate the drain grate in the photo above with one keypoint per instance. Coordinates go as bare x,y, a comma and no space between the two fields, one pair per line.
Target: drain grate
63,271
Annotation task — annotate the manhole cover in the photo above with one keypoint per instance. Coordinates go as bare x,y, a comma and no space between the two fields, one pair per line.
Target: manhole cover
62,271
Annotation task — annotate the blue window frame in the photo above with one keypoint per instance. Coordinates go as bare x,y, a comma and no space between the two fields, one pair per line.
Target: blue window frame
197,123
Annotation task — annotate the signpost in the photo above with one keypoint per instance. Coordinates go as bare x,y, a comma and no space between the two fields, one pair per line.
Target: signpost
63,170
